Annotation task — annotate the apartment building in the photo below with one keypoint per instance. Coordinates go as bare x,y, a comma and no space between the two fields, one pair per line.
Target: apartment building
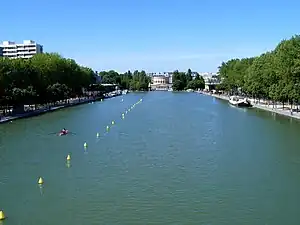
25,50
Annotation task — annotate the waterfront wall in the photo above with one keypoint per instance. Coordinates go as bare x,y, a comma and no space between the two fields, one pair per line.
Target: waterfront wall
52,109
263,106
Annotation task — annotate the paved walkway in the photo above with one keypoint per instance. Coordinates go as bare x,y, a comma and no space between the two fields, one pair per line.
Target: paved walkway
71,102
275,109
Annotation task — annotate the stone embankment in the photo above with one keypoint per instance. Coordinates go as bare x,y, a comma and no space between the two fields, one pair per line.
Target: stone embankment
263,105
46,109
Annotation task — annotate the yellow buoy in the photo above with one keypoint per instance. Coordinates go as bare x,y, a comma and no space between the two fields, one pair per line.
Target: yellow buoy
112,122
69,157
85,144
98,135
40,181
2,215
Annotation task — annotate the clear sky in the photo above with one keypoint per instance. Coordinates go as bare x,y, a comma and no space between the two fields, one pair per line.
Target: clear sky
154,35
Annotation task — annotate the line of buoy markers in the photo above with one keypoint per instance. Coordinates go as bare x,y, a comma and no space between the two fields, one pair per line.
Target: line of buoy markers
85,145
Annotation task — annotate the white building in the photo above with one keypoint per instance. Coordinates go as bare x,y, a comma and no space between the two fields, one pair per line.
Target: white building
25,50
162,74
160,82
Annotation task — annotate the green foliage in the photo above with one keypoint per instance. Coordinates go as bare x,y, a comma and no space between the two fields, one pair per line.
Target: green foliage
41,79
273,75
183,81
179,80
138,81
197,83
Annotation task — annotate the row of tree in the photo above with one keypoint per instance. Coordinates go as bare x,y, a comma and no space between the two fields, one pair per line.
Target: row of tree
136,81
182,80
41,79
274,75
139,81
48,77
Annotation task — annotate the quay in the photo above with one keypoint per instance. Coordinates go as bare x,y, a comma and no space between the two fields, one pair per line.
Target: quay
48,109
277,108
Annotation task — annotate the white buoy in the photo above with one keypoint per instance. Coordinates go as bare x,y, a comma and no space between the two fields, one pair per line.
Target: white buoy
98,135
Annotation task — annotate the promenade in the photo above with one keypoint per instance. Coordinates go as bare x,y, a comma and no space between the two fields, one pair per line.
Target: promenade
263,105
45,109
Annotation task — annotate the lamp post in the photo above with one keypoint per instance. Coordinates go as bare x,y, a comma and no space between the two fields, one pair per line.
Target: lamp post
297,85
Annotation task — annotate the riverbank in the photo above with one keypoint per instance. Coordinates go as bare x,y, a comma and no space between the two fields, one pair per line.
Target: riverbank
286,111
47,109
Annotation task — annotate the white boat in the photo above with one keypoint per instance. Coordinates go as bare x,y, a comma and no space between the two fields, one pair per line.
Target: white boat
239,101
124,92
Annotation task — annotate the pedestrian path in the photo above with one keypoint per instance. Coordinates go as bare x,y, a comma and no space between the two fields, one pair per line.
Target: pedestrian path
71,102
274,109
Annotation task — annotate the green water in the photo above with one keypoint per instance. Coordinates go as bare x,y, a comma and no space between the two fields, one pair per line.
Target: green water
176,158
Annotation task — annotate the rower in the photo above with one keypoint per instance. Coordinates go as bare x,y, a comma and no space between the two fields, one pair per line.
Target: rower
64,131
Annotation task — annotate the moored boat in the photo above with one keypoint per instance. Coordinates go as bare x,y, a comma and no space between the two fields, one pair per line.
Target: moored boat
239,101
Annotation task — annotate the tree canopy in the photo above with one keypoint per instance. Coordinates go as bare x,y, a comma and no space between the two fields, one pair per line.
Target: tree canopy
274,75
136,81
182,80
41,79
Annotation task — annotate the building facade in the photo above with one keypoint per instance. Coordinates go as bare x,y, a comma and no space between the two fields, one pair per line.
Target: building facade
160,82
163,80
25,50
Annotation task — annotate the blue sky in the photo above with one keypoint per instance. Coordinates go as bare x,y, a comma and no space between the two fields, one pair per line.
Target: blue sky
154,35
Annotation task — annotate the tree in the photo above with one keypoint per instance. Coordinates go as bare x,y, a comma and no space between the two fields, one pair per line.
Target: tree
41,79
274,75
189,75
197,83
179,80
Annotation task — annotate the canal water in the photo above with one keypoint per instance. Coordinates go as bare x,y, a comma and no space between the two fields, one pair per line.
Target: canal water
176,158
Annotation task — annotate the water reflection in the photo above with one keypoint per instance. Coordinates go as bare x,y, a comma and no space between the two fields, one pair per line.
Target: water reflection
68,164
41,187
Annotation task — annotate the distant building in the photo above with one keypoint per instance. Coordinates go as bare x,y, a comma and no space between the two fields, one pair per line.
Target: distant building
160,82
98,78
25,50
167,76
211,80
164,80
